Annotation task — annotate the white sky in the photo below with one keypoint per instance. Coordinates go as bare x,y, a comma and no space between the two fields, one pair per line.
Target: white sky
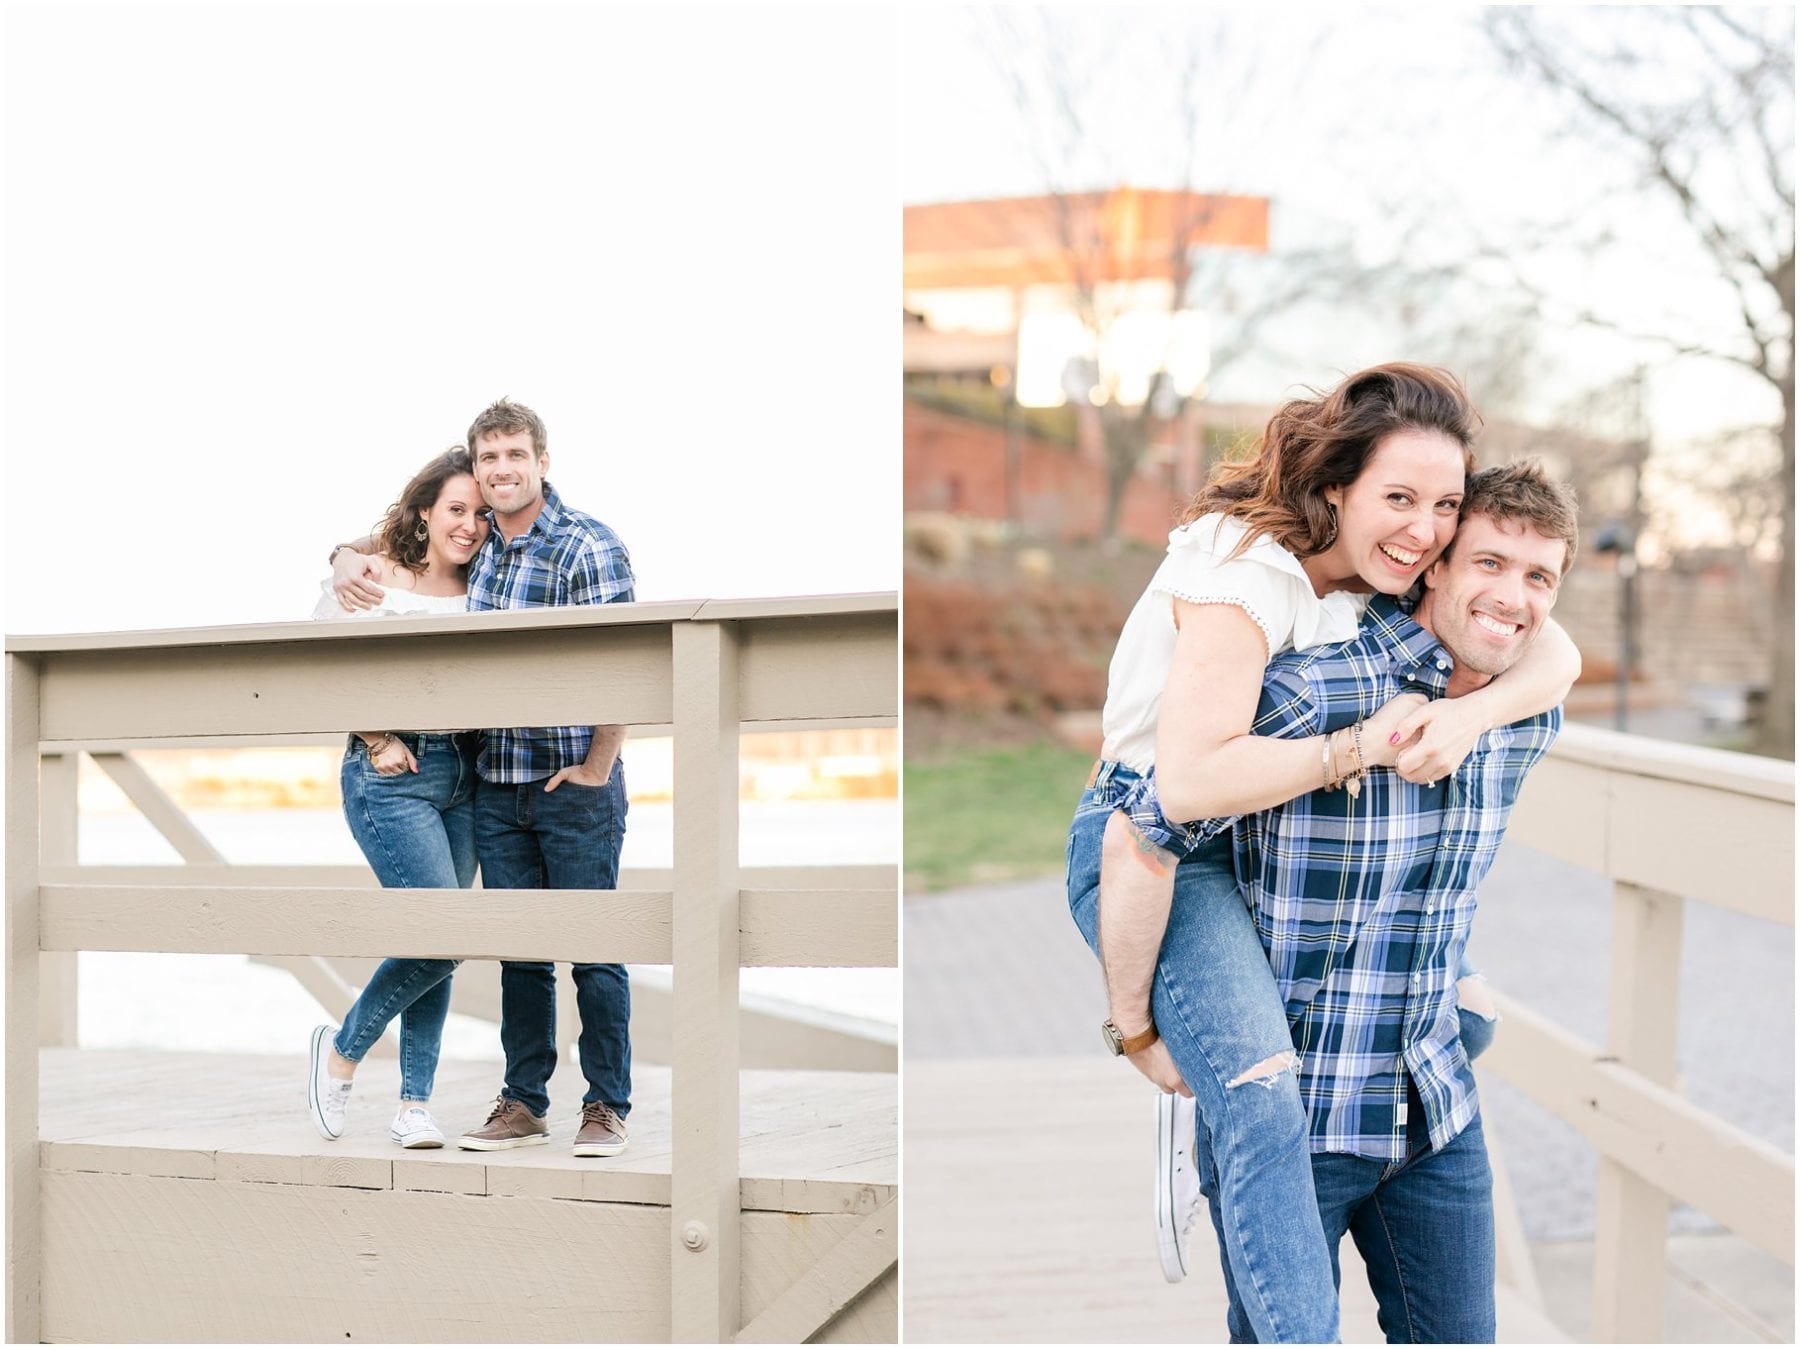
1351,120
262,263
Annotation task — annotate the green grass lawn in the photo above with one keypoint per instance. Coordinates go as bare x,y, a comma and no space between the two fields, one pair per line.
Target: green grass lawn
983,815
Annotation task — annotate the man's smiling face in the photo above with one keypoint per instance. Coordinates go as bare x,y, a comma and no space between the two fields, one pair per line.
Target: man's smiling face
509,471
1488,597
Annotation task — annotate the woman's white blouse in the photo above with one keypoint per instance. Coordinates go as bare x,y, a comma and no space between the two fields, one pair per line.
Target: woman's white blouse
1265,581
393,601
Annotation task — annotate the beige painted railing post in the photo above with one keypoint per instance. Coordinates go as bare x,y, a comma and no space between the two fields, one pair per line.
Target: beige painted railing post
23,1218
704,1217
1631,1228
60,833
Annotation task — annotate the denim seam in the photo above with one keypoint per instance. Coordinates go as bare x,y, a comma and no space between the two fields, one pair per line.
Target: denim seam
1387,1233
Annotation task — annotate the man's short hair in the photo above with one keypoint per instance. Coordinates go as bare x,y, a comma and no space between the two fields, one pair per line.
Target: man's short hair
503,417
1522,491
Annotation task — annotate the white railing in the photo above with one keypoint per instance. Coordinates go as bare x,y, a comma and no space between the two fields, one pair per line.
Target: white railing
702,670
1667,823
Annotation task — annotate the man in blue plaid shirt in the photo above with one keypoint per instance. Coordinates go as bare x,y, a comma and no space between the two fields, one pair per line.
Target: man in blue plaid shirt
550,804
1363,902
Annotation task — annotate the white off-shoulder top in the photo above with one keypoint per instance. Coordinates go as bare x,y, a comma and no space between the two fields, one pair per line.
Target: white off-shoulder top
394,601
1265,581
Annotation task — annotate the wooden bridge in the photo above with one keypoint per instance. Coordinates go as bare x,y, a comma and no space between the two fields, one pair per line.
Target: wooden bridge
155,1196
1027,1209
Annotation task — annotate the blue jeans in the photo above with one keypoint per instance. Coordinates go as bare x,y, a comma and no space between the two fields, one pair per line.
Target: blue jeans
418,831
1424,1228
568,839
1216,1006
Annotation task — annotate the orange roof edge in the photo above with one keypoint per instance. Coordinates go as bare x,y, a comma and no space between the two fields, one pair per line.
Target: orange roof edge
1127,233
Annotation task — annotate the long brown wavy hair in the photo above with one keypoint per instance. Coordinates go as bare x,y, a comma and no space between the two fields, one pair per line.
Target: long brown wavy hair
397,535
1324,441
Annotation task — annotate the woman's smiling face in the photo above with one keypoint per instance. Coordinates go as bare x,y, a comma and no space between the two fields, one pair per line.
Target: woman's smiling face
1395,519
456,524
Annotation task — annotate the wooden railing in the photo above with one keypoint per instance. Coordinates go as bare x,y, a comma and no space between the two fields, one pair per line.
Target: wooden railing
773,1033
702,670
1667,823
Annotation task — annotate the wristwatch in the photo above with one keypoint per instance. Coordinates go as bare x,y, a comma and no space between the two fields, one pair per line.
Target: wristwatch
1117,1044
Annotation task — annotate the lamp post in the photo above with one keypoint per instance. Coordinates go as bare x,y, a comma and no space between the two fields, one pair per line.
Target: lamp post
1616,537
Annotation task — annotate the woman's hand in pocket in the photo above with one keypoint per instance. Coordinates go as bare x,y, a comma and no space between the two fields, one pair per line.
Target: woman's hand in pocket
393,759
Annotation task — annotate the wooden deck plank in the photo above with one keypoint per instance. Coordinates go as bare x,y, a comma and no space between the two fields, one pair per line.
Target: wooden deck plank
812,1142
1028,1215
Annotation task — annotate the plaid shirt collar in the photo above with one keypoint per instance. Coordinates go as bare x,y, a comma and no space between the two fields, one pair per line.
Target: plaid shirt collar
1419,660
544,528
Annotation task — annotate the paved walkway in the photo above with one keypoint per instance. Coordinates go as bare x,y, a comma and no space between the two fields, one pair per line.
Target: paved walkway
1000,973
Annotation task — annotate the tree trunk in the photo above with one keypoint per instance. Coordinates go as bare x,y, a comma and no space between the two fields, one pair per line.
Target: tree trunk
1776,735
1124,440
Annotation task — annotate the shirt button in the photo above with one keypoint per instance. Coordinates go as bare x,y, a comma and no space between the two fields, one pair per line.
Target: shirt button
1442,664
1431,908
1415,978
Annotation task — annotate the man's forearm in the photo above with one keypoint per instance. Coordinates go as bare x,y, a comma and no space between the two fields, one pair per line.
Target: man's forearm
1132,922
366,544
603,750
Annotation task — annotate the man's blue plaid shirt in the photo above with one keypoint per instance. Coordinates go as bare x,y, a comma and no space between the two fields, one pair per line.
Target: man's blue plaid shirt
1364,905
566,557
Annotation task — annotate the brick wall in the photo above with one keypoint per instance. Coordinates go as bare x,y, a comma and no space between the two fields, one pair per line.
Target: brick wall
958,465
1692,627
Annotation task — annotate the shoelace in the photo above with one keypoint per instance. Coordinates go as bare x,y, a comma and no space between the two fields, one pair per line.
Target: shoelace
503,1106
599,1112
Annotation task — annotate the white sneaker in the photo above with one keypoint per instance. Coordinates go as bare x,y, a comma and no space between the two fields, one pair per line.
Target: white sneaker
325,1095
1178,1197
413,1128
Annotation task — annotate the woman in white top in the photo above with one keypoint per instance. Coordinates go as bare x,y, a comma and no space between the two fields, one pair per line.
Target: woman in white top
409,801
1349,493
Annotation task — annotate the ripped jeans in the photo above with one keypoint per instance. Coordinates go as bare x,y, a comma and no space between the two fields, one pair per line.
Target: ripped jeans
1215,1003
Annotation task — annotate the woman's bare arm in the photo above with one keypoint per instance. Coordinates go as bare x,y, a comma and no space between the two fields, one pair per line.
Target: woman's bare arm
1208,765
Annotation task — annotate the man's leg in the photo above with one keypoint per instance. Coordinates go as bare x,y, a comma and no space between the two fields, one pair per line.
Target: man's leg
510,860
1427,1237
580,832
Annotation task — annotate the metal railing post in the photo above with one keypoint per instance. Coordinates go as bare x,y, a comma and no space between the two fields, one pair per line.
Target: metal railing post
704,1214
60,834
24,1218
1631,1226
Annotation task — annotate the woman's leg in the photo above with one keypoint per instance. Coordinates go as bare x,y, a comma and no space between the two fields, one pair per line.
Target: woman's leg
422,1023
1215,1003
408,827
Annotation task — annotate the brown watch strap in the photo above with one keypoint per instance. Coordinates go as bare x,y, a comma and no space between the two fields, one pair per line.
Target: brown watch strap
1142,1040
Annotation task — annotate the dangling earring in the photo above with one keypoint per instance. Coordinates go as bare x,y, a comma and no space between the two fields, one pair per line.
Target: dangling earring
1330,538
422,533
